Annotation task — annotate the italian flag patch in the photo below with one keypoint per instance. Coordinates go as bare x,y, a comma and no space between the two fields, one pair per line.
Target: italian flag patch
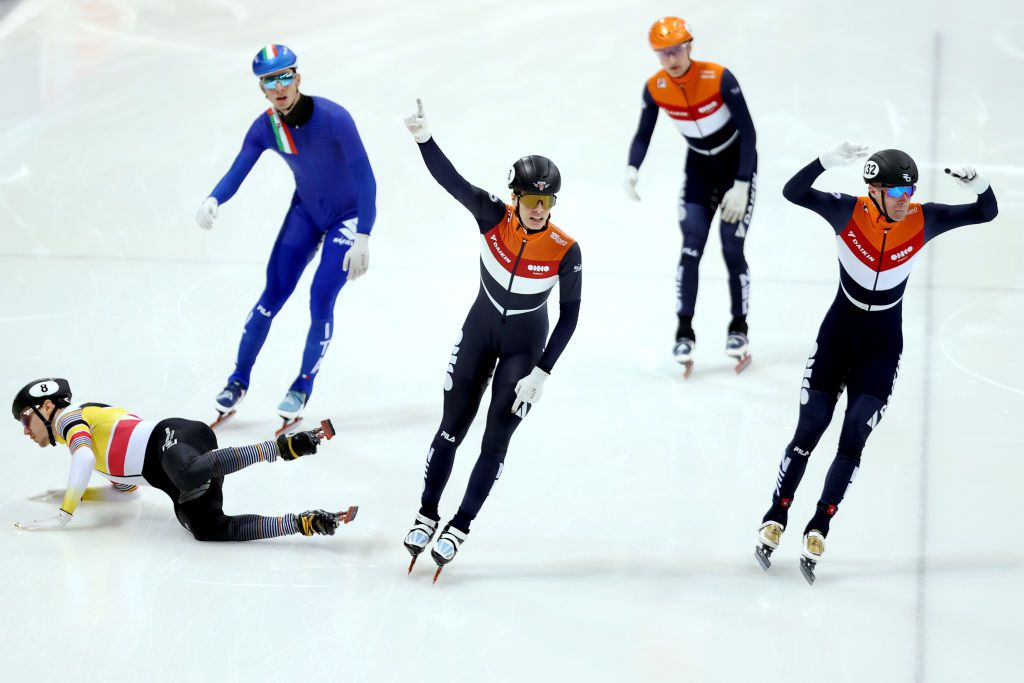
285,143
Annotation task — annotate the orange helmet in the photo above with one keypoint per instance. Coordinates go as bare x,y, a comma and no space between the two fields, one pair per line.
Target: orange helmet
669,31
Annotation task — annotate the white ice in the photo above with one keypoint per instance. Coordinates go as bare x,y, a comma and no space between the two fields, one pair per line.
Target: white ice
617,545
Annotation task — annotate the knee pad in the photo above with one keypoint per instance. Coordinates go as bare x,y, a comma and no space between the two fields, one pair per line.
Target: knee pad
862,416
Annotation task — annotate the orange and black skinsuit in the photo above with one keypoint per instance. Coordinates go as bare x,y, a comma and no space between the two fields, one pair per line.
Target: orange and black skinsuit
505,334
709,110
861,338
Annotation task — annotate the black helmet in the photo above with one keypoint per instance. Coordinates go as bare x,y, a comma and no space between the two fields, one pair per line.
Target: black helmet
890,168
535,175
34,393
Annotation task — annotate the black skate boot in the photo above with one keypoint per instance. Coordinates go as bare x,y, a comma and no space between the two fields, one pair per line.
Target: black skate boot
292,446
686,341
447,547
318,522
421,533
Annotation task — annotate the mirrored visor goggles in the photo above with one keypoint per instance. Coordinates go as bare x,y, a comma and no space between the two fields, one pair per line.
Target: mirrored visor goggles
26,416
285,79
531,200
673,50
900,190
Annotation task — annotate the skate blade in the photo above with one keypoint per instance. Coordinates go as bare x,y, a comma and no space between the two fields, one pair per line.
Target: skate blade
222,418
763,556
437,573
348,515
743,363
687,369
288,424
807,569
412,563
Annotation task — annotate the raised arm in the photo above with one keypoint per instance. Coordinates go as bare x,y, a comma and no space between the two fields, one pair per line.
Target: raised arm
832,206
485,207
940,218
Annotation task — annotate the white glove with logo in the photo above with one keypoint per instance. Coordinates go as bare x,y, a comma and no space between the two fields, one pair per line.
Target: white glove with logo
206,213
529,388
58,521
417,123
967,177
844,153
734,202
629,183
357,258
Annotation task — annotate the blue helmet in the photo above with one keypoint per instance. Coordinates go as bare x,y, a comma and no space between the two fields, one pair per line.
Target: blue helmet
272,58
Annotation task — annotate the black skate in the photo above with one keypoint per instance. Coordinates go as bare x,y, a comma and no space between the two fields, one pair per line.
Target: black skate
768,537
292,446
318,522
229,397
814,548
419,536
447,546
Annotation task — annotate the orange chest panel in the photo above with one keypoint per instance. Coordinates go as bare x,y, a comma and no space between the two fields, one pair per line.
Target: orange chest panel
538,255
865,234
697,95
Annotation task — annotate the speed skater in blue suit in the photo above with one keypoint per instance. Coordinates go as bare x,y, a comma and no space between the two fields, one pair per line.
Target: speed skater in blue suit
333,208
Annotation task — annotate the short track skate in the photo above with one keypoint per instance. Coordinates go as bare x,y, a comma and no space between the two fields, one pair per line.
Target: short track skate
421,534
814,548
807,569
768,536
763,555
738,348
288,424
682,352
348,515
222,418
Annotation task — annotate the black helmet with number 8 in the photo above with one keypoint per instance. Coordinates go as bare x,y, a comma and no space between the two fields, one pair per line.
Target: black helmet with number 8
890,168
33,394
535,174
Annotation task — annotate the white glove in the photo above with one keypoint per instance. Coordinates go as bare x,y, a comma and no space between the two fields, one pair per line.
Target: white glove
629,183
967,177
417,123
529,389
58,521
206,213
357,258
734,202
844,153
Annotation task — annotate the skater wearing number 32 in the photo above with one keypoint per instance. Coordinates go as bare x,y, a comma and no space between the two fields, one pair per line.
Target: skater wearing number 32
879,236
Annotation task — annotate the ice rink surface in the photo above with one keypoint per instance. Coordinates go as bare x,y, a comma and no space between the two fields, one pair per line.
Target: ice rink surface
617,545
